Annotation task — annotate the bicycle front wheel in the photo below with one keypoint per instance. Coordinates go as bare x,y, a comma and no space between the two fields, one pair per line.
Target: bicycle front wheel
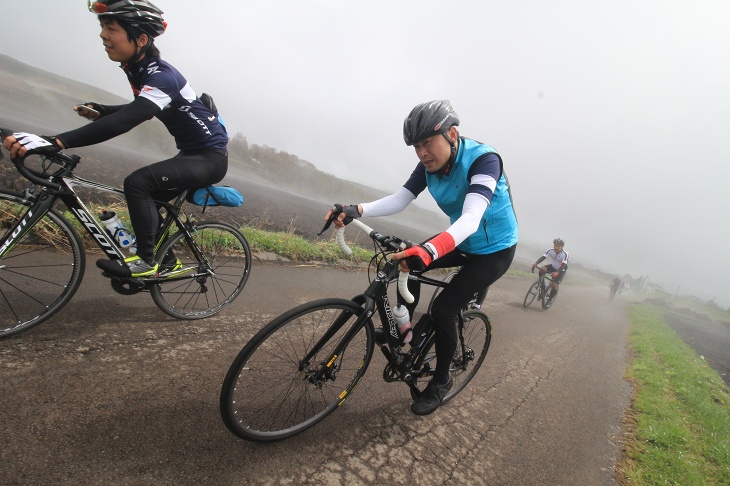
531,293
39,273
196,290
272,392
548,301
475,335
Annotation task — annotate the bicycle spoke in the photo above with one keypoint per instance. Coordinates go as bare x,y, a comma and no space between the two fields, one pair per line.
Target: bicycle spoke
204,293
41,272
269,394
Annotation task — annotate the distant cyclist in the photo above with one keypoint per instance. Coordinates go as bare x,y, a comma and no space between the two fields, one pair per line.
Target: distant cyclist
467,180
558,265
128,30
615,286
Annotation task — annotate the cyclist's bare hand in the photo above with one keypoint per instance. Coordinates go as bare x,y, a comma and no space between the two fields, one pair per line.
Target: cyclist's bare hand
11,145
402,265
346,214
337,221
555,274
87,111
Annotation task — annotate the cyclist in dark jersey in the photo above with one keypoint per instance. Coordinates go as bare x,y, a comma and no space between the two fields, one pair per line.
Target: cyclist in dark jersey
615,286
128,30
467,180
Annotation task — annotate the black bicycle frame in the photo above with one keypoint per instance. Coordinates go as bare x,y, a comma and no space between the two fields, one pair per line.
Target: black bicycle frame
376,296
47,197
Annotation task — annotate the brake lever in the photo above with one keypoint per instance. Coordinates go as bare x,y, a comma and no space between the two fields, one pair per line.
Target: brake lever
326,226
335,212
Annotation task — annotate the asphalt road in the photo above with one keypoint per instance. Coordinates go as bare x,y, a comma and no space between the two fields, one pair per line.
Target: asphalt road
112,391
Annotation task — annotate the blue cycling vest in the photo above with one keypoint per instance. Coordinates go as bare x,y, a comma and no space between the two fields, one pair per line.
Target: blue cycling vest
498,227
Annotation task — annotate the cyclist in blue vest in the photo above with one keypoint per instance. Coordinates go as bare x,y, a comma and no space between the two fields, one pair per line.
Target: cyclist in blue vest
467,180
128,30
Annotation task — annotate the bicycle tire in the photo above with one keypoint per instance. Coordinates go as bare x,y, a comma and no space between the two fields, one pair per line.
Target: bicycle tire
548,301
266,394
41,272
476,330
531,294
199,297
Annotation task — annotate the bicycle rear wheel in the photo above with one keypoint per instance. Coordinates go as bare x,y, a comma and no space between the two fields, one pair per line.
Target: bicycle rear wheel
269,392
41,272
201,291
475,335
531,293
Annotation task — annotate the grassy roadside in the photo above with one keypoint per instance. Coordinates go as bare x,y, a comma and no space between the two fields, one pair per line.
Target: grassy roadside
679,422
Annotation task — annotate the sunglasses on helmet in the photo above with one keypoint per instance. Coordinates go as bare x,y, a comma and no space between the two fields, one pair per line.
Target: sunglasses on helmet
97,7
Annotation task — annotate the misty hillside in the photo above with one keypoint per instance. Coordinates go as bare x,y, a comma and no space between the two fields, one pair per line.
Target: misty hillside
41,102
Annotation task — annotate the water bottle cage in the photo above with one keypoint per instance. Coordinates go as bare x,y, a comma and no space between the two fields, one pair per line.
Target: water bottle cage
126,234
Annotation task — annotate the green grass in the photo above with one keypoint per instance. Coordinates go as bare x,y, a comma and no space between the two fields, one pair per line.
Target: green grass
297,248
680,416
284,244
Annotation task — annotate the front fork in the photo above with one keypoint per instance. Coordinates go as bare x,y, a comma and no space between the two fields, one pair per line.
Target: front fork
32,215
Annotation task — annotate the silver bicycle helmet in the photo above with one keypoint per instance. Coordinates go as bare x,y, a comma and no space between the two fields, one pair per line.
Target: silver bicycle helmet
141,16
558,241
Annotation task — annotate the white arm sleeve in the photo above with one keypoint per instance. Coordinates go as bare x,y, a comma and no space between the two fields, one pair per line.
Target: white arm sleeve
471,215
392,204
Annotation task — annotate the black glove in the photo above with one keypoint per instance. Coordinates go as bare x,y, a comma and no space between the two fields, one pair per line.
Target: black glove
97,107
37,144
350,211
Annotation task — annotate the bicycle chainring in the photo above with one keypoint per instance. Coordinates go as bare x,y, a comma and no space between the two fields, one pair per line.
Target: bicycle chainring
390,374
126,287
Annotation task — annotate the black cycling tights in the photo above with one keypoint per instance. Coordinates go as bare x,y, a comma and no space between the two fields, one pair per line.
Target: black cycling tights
163,181
478,272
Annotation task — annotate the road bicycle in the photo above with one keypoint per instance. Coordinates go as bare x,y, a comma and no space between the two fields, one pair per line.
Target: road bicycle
305,363
613,290
612,293
541,289
204,265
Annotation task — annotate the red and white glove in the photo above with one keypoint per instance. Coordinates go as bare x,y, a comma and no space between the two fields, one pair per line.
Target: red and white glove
419,257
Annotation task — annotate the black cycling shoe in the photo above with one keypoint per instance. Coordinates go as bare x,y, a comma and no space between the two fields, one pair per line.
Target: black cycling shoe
431,397
380,337
131,267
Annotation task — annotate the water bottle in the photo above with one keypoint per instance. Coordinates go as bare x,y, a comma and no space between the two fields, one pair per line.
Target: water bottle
117,230
403,321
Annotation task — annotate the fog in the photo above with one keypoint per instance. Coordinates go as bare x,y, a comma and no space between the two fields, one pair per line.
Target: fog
611,118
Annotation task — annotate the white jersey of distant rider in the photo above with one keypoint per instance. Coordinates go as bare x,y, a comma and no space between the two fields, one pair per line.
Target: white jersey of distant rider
557,259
